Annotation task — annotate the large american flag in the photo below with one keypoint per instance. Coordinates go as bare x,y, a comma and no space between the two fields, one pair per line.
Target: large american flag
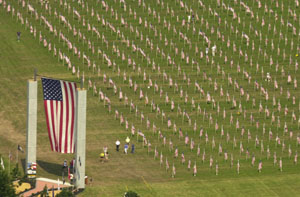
59,102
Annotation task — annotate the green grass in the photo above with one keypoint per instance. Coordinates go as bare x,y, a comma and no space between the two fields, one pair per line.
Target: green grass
140,172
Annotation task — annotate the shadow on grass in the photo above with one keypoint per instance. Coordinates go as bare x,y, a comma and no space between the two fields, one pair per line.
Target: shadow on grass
52,168
23,165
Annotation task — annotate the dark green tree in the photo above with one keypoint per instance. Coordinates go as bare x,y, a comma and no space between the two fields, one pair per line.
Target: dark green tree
65,193
15,173
131,194
6,186
44,193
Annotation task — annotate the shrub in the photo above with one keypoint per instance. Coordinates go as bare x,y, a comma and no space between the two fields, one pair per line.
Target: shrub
65,193
131,194
6,187
15,173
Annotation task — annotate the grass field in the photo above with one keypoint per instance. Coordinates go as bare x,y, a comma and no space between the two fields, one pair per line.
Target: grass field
140,172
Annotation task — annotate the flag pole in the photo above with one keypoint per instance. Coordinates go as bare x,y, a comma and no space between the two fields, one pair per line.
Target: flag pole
81,83
57,78
9,156
17,156
35,74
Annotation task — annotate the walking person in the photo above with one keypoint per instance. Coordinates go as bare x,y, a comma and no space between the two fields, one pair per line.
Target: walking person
18,36
118,145
102,155
127,140
125,148
105,149
65,165
132,148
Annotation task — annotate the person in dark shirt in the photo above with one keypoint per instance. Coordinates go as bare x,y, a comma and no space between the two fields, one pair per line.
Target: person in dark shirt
65,165
19,36
125,148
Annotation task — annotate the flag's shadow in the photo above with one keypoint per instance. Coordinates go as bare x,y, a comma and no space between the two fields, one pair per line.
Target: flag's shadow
23,165
51,168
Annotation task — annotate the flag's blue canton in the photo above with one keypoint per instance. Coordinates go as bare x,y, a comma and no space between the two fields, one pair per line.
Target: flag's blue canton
52,89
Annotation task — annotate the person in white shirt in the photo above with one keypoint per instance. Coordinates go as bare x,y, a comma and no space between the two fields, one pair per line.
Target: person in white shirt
118,145
65,165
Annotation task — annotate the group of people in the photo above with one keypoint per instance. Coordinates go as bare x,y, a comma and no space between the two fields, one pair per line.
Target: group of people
104,154
126,146
70,170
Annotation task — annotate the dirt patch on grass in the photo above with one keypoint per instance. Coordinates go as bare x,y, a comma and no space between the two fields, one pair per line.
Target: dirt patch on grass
10,134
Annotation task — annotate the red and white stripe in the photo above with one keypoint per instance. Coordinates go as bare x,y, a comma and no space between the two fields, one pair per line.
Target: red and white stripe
60,117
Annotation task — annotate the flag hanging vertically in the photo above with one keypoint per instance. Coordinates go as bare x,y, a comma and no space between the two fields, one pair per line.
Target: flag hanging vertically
59,102
20,148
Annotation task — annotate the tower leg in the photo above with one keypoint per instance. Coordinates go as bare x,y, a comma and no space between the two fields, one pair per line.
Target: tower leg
80,137
31,122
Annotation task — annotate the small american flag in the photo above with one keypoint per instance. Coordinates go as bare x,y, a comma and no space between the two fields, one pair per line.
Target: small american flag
59,102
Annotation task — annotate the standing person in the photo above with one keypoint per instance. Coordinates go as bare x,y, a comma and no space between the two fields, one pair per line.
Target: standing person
127,140
118,145
125,148
102,157
65,165
72,163
132,148
19,36
106,156
105,150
